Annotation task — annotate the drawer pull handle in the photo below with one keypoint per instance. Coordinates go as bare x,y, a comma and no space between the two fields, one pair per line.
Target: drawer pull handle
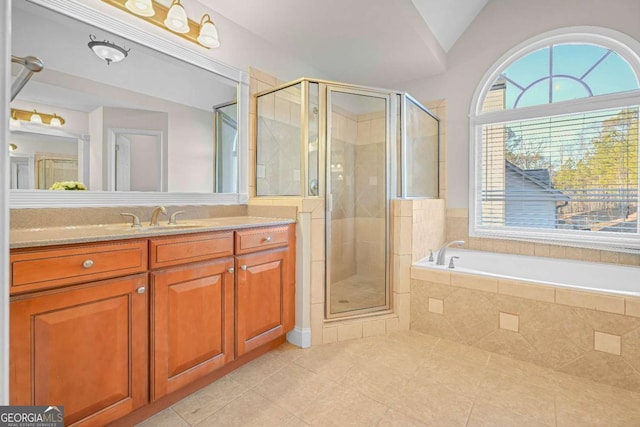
243,267
141,290
87,263
267,239
231,270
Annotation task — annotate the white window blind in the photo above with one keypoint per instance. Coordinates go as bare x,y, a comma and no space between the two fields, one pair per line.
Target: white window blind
572,172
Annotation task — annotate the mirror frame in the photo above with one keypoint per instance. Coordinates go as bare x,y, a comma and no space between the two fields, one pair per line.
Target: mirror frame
125,29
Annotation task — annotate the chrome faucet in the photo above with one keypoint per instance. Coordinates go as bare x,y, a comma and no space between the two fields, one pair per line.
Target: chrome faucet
443,249
154,216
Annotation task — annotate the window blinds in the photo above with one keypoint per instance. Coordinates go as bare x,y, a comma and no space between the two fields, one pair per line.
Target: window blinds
570,172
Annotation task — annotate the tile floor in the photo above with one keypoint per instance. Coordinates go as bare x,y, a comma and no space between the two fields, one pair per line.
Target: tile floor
404,379
356,293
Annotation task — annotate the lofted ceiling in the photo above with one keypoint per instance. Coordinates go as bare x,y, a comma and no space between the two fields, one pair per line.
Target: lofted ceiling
372,42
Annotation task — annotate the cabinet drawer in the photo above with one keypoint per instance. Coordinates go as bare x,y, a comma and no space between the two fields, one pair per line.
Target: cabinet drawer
259,239
168,251
45,268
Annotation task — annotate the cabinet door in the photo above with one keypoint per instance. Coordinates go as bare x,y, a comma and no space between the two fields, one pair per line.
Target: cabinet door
85,349
192,318
265,298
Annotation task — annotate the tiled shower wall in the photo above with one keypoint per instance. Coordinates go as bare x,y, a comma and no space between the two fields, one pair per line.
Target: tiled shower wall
278,124
416,226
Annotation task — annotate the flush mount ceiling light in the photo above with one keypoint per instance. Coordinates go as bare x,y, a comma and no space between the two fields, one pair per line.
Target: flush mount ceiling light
173,18
36,117
140,7
107,51
13,147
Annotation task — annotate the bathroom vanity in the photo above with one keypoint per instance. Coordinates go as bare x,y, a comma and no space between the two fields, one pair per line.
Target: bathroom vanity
134,321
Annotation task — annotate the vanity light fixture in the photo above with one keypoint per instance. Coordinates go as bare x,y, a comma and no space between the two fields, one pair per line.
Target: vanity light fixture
13,121
208,33
55,121
36,117
140,7
107,50
177,18
173,18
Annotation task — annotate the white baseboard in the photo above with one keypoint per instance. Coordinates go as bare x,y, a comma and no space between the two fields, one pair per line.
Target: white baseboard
300,337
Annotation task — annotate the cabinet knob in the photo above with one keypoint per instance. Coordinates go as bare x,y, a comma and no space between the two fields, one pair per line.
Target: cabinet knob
87,263
267,239
141,290
231,270
243,267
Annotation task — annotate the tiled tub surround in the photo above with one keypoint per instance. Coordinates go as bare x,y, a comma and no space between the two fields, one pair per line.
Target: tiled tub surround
595,335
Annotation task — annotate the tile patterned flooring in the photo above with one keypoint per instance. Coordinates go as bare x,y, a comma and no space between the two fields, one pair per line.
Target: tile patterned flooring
356,293
402,379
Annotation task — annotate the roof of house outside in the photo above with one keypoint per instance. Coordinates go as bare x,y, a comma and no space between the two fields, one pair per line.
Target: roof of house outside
539,177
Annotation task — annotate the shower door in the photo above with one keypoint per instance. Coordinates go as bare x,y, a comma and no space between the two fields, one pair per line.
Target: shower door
357,202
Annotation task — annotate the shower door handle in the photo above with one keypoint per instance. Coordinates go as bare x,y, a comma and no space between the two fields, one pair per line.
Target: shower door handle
329,202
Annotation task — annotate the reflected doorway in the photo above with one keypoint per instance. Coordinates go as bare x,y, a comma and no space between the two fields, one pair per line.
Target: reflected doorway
134,161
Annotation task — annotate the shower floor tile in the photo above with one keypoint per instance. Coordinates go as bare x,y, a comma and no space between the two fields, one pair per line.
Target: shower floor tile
356,293
402,379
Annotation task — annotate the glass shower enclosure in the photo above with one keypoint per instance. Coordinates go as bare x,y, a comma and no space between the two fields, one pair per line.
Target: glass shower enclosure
356,148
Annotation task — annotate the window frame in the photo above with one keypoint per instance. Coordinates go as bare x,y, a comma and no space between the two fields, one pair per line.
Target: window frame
623,45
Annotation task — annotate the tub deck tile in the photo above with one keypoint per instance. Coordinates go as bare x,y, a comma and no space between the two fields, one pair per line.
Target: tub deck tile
609,303
475,282
526,290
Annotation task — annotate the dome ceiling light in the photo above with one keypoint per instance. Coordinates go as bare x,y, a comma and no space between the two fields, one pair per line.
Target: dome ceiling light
107,50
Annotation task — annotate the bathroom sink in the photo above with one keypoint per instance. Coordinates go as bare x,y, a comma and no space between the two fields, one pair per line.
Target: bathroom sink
148,228
165,227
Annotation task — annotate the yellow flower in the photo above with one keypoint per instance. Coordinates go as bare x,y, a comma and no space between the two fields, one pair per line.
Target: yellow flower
68,185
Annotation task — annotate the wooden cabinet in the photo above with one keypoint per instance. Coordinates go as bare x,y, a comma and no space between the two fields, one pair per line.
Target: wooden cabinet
180,250
42,268
264,288
84,348
89,334
192,321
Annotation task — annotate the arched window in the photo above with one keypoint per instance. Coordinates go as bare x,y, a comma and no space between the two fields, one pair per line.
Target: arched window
554,132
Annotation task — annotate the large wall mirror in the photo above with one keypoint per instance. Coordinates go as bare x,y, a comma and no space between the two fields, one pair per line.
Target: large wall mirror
136,131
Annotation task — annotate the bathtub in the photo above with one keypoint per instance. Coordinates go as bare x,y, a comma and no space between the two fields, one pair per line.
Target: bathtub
587,276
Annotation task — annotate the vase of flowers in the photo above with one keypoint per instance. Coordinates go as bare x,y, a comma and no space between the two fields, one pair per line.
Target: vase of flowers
68,185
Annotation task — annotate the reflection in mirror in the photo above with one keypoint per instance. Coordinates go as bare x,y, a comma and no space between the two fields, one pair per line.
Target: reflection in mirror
226,148
40,157
135,160
144,124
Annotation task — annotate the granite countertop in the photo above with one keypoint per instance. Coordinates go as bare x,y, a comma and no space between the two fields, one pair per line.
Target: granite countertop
48,236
